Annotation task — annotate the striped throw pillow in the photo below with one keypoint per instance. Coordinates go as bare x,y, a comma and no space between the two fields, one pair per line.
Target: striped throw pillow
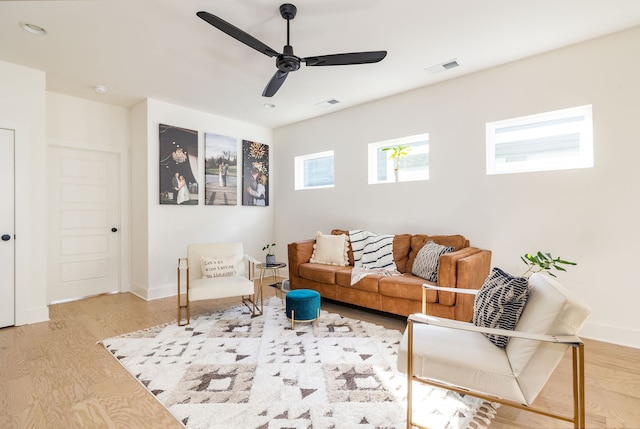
499,303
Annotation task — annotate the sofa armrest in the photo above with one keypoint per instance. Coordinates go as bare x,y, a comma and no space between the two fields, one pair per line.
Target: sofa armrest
464,269
299,252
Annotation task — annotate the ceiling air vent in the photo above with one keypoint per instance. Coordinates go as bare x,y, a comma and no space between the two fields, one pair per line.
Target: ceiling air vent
444,66
329,102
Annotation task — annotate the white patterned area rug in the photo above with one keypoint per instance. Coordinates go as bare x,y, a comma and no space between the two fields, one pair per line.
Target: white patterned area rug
226,370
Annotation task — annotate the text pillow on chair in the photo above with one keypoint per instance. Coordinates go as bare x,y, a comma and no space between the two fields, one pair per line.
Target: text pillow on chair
218,267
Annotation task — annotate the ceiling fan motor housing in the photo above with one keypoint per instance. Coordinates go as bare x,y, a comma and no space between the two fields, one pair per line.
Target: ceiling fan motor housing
287,62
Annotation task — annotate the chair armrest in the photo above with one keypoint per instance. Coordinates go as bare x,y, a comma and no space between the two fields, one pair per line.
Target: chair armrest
450,289
251,259
465,326
183,263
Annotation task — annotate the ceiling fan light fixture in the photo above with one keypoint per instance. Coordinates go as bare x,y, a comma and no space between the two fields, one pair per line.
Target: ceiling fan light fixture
32,28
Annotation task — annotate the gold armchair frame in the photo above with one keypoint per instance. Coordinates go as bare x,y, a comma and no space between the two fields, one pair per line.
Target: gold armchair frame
253,302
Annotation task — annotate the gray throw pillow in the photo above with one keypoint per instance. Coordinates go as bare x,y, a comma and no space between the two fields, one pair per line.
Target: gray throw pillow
499,303
428,259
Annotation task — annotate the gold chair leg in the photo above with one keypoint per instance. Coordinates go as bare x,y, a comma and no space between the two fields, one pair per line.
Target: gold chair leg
186,305
579,419
409,373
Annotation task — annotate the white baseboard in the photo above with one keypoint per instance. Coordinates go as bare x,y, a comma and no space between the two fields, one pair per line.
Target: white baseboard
155,292
37,315
611,334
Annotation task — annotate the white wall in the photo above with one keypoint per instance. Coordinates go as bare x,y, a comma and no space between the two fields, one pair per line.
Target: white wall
89,125
22,108
169,229
588,216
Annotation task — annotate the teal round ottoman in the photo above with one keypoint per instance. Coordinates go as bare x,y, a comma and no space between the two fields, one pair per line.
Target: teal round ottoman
303,305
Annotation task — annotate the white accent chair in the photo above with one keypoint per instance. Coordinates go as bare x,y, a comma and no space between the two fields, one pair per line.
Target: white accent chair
457,356
201,288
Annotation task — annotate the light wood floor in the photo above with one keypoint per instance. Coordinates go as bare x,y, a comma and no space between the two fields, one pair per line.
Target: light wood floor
55,375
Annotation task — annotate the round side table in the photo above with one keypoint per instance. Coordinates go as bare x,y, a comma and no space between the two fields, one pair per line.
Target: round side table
274,273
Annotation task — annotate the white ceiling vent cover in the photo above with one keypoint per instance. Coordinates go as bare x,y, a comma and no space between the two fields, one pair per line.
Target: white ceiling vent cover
451,64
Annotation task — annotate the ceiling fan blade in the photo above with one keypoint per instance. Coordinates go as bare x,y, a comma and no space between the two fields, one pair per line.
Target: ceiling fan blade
237,34
346,59
275,83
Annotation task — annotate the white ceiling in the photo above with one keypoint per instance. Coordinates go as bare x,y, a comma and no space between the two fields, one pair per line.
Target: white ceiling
160,49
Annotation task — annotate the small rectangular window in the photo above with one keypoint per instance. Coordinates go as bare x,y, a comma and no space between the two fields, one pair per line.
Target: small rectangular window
314,170
558,140
413,162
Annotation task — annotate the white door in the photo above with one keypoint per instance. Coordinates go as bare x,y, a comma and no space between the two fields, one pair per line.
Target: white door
84,256
7,247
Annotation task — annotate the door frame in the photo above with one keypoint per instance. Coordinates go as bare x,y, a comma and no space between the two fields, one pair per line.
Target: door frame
22,243
124,276
10,229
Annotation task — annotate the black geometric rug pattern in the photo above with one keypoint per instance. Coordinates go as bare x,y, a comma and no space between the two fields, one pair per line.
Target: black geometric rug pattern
226,370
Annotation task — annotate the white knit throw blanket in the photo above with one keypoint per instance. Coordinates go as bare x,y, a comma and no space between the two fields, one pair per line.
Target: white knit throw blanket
372,254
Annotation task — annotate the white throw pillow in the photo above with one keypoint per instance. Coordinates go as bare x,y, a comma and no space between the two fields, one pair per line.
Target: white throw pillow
331,249
218,267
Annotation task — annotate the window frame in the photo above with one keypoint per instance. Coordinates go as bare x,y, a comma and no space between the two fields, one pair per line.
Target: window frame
299,170
373,151
561,122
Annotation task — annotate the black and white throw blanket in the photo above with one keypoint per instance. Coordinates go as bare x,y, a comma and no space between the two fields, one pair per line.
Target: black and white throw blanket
372,254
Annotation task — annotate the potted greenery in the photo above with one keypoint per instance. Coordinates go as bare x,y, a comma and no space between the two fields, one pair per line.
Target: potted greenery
398,151
271,257
543,262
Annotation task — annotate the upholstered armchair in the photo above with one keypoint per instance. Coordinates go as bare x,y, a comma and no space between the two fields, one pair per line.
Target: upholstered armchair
214,271
458,356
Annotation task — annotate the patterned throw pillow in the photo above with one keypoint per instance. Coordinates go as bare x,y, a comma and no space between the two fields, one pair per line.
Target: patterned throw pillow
499,303
218,267
428,259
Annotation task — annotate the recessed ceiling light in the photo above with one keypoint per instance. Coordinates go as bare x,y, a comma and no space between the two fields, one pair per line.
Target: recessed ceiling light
100,89
269,106
32,28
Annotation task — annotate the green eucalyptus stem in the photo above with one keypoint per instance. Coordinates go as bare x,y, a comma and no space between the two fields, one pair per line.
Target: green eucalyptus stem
543,262
269,248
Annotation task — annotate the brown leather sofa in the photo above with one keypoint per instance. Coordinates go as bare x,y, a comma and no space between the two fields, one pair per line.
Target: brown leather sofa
466,267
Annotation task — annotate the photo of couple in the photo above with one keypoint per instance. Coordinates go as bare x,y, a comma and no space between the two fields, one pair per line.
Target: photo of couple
178,165
255,180
221,170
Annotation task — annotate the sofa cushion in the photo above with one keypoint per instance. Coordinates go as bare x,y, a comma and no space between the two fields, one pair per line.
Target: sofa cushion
499,303
428,259
405,286
368,283
350,251
401,247
320,273
330,249
418,240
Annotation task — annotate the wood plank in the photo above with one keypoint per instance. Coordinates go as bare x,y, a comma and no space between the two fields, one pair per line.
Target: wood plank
54,374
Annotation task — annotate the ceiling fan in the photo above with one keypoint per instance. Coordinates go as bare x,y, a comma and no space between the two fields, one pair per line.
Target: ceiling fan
286,61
